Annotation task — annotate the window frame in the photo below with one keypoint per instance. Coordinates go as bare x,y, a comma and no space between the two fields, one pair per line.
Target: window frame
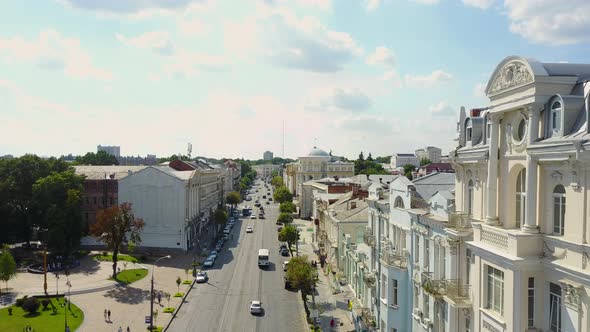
555,116
558,202
558,299
520,198
470,197
394,293
494,290
531,302
398,203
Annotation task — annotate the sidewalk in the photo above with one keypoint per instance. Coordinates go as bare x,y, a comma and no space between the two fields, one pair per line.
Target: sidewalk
331,306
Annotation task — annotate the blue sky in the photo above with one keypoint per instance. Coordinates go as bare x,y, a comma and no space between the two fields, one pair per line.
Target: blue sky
379,76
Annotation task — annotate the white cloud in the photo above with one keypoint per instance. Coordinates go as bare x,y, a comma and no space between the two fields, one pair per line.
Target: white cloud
55,52
157,41
427,2
436,77
139,9
371,5
441,108
280,37
479,90
325,5
26,102
553,22
381,56
338,99
392,78
188,64
192,27
482,4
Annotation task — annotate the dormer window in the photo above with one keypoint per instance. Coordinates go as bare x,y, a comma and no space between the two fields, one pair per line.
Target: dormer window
468,130
556,116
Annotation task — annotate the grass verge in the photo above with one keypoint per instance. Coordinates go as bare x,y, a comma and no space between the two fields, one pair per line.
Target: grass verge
169,310
179,295
42,320
120,258
128,276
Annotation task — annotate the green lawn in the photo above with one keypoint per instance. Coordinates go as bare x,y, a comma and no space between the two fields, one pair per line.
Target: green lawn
128,276
120,258
42,320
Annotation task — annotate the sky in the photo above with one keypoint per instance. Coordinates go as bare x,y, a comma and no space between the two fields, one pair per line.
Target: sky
237,78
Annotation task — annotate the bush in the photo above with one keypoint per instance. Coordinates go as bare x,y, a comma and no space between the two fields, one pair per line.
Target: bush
10,311
21,301
45,303
31,305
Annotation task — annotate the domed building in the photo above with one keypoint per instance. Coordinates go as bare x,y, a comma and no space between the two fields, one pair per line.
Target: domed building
317,164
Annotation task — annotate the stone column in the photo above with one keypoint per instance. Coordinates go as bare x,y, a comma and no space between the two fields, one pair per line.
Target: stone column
530,221
492,180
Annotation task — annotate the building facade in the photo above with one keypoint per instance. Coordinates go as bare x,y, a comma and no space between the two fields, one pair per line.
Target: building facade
112,150
266,170
399,160
267,155
522,175
431,153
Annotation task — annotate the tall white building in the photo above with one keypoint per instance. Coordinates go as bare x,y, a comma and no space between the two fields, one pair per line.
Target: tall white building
267,155
523,175
399,160
430,152
112,150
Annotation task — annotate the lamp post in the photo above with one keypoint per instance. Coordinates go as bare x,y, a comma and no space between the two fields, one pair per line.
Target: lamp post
152,294
57,286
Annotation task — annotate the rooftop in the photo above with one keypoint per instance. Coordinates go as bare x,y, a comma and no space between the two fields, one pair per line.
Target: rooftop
105,172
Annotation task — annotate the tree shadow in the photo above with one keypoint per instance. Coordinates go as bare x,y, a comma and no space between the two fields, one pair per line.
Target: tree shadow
342,305
7,298
32,315
129,295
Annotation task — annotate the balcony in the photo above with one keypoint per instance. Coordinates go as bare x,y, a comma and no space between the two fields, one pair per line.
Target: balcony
368,237
390,257
454,292
370,279
368,318
459,222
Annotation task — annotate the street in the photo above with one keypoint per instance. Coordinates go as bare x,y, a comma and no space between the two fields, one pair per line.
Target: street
223,303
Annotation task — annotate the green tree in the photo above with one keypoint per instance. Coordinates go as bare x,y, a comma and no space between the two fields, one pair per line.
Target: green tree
361,156
289,234
59,198
282,194
301,275
7,266
285,218
276,181
369,157
425,161
383,160
178,282
274,173
287,207
220,217
233,198
174,157
408,169
99,158
115,226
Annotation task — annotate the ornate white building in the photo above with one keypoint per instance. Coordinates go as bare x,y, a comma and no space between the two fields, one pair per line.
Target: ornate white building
523,175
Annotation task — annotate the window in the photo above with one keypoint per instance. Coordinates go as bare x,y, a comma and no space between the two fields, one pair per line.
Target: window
555,116
520,197
554,307
558,210
398,203
467,265
468,130
521,130
495,290
426,258
416,249
94,198
394,292
531,300
425,303
470,197
416,297
467,324
383,286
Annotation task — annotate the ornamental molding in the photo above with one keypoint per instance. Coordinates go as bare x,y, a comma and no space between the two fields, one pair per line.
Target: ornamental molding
557,176
574,168
513,74
572,296
420,229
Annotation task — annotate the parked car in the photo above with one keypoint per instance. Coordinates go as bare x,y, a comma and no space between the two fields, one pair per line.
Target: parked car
285,265
202,277
261,216
225,237
218,246
209,262
253,216
264,196
249,229
256,307
267,203
270,199
284,252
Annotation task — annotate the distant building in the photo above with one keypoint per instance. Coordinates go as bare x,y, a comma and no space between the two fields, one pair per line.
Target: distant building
267,155
150,159
265,170
430,152
112,150
435,167
401,159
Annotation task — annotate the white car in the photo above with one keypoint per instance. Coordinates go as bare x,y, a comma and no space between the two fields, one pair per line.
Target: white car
249,229
202,277
285,265
255,307
253,216
209,262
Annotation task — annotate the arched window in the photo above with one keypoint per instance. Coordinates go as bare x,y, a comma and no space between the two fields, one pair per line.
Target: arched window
398,203
520,197
470,197
555,116
468,130
558,210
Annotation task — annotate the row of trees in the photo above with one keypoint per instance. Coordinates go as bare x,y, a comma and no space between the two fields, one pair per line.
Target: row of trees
368,165
99,158
42,196
248,175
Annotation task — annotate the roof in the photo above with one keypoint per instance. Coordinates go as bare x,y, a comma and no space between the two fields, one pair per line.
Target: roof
182,175
404,155
327,197
438,166
446,194
428,185
315,152
103,172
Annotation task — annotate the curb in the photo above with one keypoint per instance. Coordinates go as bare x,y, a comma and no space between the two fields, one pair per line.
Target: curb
180,306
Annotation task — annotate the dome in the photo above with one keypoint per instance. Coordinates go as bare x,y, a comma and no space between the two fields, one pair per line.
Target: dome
315,152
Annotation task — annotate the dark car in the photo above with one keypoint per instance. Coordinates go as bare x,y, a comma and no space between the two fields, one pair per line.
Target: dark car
287,284
284,252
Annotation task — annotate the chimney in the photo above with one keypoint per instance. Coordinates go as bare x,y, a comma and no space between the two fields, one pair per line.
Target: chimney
352,205
381,180
335,177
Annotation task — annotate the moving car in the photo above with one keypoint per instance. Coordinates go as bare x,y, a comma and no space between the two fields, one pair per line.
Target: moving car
253,216
202,277
209,262
255,307
261,216
285,265
284,252
249,229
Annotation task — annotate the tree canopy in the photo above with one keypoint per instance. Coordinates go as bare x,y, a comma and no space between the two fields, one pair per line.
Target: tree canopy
287,207
274,173
289,234
220,216
408,169
276,181
425,161
285,218
233,198
98,158
282,194
115,226
301,275
7,266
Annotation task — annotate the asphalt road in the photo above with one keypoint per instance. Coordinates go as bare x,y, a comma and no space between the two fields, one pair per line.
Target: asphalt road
223,304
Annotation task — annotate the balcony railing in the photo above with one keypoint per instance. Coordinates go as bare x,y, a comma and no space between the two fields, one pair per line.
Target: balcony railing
368,318
452,289
368,237
392,258
459,221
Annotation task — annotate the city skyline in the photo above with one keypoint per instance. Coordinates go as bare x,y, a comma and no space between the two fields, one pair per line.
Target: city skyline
153,76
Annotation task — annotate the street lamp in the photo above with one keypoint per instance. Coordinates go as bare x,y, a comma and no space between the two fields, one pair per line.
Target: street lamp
152,294
57,286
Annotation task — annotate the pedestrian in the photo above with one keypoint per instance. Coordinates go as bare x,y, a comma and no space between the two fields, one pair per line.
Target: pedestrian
160,297
331,323
109,314
128,329
105,315
120,329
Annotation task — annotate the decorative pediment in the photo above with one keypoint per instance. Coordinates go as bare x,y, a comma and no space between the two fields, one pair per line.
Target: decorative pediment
513,74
